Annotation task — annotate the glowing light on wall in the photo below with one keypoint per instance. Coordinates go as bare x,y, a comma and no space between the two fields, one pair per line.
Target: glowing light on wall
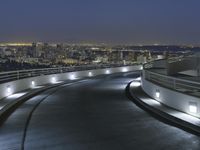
72,77
107,71
17,95
193,107
157,93
90,74
33,83
138,79
9,90
135,83
53,79
124,70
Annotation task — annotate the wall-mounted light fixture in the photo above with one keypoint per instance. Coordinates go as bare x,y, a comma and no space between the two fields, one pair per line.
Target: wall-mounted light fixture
157,93
33,83
90,74
72,77
107,71
9,90
53,79
124,69
193,107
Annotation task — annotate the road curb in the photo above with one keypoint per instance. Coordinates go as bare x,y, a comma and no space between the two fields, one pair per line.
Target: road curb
12,106
187,126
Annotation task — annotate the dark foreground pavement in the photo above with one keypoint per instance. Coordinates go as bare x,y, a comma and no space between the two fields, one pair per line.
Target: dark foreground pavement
93,114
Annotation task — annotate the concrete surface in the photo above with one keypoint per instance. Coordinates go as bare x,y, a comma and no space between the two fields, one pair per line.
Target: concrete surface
93,114
181,119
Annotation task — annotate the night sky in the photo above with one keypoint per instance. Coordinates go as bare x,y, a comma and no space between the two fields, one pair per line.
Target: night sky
109,21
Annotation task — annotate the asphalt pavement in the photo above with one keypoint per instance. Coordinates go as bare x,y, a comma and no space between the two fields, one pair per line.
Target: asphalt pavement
92,114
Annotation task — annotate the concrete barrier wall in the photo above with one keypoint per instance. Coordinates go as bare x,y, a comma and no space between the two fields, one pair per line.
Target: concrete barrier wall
22,84
183,65
171,98
161,63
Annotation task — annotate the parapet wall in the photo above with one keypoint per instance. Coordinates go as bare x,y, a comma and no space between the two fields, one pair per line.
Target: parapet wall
174,99
22,84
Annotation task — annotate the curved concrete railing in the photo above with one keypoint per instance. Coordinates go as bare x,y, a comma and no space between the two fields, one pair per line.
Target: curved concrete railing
21,74
179,94
30,81
182,85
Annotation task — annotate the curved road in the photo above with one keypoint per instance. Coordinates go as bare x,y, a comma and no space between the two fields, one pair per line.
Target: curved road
92,114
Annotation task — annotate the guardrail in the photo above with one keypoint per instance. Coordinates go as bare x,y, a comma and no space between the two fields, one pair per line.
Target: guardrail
182,85
20,74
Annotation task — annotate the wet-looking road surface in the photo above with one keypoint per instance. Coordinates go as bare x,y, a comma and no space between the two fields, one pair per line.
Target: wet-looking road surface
92,114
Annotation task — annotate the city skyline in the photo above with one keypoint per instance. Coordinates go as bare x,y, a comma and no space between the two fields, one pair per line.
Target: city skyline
111,22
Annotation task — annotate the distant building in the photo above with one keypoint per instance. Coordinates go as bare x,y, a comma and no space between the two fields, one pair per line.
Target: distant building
141,59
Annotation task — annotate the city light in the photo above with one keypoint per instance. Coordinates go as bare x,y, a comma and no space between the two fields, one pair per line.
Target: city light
15,44
193,107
